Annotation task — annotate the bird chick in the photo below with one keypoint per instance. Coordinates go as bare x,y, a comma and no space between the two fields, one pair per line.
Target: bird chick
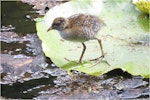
79,28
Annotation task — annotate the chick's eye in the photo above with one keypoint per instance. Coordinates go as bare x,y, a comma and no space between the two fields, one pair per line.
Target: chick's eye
56,24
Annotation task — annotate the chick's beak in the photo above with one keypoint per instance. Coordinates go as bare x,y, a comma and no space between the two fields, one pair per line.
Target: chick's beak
49,29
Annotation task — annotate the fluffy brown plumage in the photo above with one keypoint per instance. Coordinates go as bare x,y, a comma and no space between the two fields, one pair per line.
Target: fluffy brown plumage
78,28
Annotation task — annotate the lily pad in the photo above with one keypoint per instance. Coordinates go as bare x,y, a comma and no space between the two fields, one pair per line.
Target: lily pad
125,42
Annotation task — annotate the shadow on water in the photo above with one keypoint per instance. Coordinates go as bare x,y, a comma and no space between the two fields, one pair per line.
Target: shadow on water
18,15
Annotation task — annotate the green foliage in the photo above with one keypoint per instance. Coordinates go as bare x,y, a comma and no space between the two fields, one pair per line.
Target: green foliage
143,5
125,42
143,21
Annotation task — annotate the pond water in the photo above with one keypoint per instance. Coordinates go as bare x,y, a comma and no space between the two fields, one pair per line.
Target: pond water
18,39
18,14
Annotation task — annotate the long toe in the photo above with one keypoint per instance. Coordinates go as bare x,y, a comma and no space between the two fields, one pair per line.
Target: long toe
97,58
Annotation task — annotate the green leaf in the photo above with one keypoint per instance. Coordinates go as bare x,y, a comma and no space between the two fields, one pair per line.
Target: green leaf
125,42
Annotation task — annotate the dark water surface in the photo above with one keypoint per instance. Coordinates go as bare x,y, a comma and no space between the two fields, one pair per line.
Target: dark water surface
26,90
17,21
18,15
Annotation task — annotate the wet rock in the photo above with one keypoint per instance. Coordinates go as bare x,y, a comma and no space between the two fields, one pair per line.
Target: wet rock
8,36
130,83
56,72
17,67
5,68
7,28
131,93
25,56
44,5
146,91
